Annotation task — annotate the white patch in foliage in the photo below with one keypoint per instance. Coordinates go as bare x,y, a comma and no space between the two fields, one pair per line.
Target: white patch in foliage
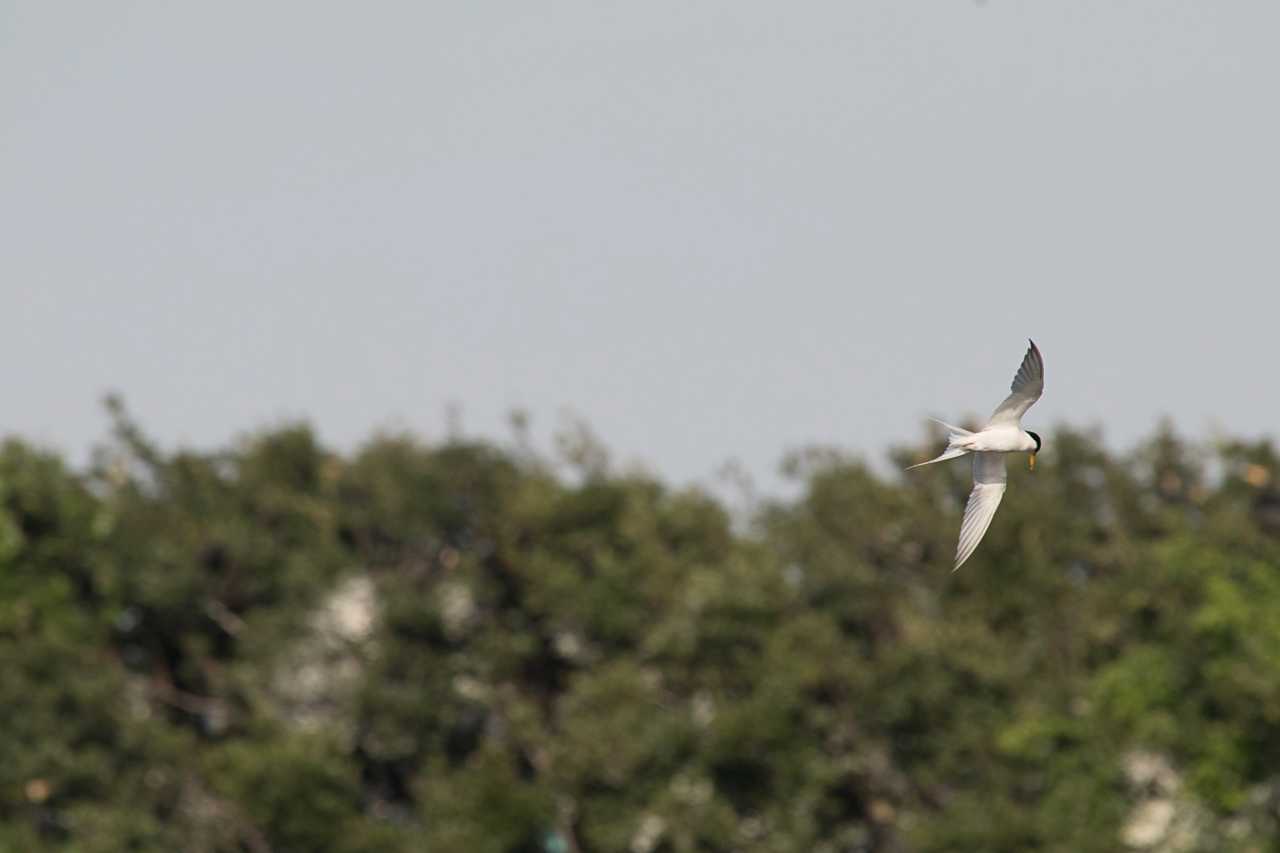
318,674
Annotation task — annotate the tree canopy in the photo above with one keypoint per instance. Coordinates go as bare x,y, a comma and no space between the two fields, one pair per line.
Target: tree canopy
468,646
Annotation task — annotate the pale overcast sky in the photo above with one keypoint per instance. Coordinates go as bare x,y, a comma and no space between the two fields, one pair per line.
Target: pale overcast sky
714,230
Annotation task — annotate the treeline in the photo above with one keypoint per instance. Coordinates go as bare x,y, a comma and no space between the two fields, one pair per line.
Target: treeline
466,647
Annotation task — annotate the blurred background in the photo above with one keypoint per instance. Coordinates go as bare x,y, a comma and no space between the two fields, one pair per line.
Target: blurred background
507,405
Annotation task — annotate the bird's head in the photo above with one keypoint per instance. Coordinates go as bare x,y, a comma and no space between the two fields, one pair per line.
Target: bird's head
1031,460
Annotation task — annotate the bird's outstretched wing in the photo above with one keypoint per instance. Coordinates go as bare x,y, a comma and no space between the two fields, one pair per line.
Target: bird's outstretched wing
1028,385
989,479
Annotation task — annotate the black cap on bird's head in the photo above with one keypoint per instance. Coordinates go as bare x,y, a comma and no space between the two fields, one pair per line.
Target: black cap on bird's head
1036,436
1031,460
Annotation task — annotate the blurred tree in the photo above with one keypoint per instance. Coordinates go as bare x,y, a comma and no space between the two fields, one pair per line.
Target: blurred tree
459,646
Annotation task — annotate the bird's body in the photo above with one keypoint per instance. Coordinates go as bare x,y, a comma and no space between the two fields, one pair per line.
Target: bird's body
1001,438
1002,434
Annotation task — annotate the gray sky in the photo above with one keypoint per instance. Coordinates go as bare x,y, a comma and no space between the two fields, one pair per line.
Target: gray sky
712,229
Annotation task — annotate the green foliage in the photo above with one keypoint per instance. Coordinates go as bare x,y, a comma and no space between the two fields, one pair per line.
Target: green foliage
274,647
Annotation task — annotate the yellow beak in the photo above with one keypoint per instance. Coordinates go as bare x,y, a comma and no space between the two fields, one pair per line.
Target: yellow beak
1031,462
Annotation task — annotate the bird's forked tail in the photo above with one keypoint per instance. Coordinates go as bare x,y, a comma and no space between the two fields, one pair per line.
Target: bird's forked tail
955,448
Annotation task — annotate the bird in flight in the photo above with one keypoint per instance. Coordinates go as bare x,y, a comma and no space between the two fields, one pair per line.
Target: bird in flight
1002,434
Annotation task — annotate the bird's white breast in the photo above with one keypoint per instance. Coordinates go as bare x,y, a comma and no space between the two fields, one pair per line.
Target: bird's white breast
1001,439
